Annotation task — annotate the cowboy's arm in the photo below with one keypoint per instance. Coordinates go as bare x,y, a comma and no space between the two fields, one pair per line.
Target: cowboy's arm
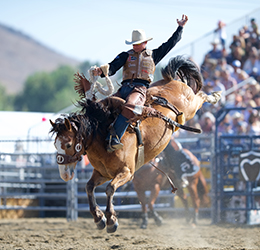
115,65
164,49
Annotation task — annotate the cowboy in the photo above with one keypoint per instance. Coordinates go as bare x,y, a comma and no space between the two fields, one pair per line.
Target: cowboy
138,70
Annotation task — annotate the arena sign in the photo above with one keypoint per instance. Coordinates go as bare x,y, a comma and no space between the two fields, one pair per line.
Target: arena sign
249,165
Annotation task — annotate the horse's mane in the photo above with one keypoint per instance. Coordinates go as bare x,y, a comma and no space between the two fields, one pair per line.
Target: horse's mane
93,118
186,70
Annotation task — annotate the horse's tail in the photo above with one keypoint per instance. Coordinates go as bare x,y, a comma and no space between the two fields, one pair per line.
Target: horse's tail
203,190
186,70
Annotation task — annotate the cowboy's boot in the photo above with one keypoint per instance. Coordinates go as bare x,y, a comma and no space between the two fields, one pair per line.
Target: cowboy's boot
120,127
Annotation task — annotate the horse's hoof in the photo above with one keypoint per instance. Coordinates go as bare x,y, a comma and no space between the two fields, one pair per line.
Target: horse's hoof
112,228
157,218
159,221
143,226
102,223
193,225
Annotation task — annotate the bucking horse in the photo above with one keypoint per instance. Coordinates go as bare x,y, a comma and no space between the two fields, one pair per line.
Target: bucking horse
170,102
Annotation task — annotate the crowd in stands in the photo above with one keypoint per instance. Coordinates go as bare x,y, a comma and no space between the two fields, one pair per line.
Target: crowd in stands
223,69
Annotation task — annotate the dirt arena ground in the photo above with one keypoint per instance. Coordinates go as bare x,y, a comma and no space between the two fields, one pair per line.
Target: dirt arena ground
57,233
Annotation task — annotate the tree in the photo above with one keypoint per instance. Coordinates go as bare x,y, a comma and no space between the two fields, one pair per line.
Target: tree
47,92
6,101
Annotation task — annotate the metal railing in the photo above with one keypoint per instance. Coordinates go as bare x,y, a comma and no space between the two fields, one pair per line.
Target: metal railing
36,177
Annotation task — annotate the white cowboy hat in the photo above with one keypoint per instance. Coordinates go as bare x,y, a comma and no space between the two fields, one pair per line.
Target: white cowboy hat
138,36
215,42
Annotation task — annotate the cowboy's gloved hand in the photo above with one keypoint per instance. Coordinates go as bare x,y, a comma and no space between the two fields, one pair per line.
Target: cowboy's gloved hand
183,21
97,71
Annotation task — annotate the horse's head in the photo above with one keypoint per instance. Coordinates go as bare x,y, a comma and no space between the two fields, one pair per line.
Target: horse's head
69,146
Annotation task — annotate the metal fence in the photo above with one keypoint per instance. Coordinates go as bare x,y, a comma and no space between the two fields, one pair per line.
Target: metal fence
30,184
236,174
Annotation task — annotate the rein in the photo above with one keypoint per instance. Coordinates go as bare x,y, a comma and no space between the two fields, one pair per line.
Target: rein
174,189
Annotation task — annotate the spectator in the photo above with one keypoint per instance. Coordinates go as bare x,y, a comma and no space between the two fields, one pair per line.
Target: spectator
256,99
237,122
239,75
228,130
240,38
254,123
241,129
248,105
222,125
237,51
248,98
244,33
254,88
254,40
221,33
228,81
252,63
254,26
215,53
236,103
206,76
207,123
223,65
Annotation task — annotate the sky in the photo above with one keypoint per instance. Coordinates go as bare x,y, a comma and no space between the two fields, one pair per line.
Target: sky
96,30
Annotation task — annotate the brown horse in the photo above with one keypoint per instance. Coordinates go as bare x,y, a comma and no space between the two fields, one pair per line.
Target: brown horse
174,160
84,132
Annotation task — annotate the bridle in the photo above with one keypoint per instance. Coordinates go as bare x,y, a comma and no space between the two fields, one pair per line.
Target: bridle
63,159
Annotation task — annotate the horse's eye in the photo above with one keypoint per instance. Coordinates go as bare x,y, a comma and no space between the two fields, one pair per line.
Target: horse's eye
68,146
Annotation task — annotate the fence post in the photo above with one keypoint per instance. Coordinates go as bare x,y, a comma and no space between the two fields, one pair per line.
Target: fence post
72,200
69,201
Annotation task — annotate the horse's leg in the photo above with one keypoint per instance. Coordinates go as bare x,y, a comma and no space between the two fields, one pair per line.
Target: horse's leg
95,180
142,198
195,198
154,194
203,190
183,197
200,98
213,98
121,178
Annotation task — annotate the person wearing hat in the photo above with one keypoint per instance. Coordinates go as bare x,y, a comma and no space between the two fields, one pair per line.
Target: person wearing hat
215,53
239,74
138,69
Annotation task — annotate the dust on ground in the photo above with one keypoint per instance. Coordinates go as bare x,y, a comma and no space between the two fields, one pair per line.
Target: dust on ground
57,233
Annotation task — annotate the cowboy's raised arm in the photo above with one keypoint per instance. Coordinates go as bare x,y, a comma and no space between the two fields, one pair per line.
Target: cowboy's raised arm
164,49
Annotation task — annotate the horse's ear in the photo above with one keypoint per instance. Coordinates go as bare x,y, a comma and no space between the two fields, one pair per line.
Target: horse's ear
67,124
52,123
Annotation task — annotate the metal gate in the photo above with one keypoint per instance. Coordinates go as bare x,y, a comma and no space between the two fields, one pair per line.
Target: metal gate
30,183
236,173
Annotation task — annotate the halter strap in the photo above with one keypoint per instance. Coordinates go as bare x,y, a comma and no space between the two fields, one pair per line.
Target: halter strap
63,159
